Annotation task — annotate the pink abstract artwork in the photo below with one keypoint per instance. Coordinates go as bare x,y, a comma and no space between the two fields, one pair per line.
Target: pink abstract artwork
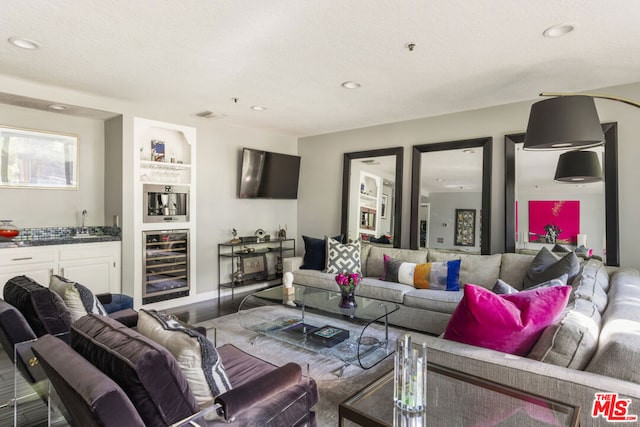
554,221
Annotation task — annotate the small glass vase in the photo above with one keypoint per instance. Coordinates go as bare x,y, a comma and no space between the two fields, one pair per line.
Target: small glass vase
348,299
410,377
7,229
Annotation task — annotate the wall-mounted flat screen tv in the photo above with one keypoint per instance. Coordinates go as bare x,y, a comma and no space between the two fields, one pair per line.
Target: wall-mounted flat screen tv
268,175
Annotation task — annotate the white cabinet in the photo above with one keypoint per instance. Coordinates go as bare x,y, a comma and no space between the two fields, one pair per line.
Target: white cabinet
95,265
38,263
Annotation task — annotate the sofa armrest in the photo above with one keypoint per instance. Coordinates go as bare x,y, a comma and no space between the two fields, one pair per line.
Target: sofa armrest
566,385
236,400
291,264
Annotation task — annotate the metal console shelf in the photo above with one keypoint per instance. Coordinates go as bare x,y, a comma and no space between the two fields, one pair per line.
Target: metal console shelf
251,267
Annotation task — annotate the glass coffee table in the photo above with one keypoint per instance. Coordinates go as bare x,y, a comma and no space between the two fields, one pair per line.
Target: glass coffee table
312,319
455,398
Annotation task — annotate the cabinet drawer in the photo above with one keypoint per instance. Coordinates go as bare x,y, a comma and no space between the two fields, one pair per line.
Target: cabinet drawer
20,256
86,251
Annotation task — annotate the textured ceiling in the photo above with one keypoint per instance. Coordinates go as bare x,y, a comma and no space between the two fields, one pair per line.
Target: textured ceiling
292,55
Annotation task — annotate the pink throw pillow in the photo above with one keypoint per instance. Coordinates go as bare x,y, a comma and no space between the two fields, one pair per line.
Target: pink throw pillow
508,323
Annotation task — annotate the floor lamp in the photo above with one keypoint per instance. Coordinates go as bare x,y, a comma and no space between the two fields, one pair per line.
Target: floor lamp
569,120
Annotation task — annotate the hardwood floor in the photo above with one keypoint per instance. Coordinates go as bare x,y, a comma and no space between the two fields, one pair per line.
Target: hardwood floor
207,310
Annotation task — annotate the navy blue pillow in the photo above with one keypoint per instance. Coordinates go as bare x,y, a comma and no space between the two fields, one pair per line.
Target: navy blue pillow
315,252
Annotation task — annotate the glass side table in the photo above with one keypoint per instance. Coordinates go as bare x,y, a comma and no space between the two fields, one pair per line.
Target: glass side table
456,399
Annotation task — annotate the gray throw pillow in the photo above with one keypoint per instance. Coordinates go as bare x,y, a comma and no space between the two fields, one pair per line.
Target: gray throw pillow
503,288
545,266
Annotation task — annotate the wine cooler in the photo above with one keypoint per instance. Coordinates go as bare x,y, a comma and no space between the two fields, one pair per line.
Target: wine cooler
165,265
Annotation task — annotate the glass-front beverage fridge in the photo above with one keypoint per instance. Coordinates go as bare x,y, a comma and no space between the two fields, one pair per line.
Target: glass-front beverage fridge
165,265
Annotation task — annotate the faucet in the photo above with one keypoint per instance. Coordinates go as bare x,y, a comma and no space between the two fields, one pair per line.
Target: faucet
83,230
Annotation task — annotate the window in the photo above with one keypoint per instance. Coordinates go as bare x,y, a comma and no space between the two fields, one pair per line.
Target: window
38,159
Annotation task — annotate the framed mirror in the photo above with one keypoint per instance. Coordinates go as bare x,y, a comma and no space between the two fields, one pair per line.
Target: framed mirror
38,159
585,213
372,196
451,196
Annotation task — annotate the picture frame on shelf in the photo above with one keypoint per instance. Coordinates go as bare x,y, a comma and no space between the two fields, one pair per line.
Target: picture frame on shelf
465,230
157,151
254,267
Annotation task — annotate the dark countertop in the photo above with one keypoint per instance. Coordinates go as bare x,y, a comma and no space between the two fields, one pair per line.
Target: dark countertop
64,241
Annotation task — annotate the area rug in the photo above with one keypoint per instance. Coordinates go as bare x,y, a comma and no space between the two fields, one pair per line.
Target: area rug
322,368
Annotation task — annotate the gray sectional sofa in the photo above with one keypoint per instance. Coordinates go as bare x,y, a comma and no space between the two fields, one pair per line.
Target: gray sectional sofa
593,347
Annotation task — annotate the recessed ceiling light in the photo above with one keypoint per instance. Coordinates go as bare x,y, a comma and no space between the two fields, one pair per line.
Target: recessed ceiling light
468,151
558,30
439,179
351,85
258,108
23,43
58,107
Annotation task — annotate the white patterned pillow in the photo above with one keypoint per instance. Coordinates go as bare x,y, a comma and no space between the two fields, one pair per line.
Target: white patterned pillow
343,257
198,359
78,298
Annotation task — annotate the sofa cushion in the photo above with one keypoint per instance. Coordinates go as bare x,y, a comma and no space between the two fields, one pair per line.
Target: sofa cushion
87,393
78,298
514,267
507,323
481,270
619,345
545,266
315,252
343,257
587,284
385,291
195,354
433,300
375,259
571,340
146,371
43,309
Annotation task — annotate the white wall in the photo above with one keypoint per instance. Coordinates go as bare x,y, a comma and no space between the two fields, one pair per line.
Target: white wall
319,206
58,208
218,206
443,211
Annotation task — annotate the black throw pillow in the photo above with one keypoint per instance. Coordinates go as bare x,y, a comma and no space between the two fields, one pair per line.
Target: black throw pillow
315,252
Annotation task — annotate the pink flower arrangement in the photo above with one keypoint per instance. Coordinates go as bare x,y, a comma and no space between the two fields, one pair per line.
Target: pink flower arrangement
348,282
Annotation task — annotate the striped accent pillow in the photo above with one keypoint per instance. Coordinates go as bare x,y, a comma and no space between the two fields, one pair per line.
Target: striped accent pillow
443,276
197,357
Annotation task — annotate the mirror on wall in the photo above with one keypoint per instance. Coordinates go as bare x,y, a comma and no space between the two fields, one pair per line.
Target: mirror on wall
541,212
451,196
372,196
